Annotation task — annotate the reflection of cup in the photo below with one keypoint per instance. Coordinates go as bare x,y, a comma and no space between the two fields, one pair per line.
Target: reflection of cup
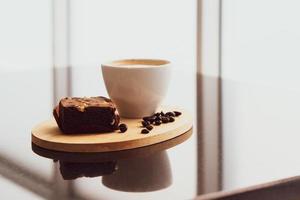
141,174
136,86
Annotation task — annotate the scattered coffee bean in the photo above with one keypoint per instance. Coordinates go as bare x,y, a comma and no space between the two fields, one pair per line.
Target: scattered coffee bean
144,131
123,128
170,114
146,118
157,114
152,119
171,119
165,120
145,123
177,113
149,127
157,123
157,118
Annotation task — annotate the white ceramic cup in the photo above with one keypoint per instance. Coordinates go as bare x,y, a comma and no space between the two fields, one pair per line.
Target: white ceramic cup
136,86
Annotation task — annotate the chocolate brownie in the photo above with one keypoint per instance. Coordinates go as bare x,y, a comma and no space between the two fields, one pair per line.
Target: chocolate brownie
86,115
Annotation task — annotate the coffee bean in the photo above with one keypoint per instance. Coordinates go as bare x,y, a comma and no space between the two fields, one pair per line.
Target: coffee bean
149,127
157,123
146,118
171,119
123,128
177,113
165,120
162,113
157,114
170,114
157,118
151,119
144,131
145,123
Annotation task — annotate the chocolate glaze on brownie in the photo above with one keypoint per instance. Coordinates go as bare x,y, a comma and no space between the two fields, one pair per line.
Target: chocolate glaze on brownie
86,115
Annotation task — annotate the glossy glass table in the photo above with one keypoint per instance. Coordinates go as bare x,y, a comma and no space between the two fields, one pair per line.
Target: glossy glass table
244,134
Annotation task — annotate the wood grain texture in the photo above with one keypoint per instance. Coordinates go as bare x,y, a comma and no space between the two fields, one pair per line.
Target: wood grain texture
47,135
284,189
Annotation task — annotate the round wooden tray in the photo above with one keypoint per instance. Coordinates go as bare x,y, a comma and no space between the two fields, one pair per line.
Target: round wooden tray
47,135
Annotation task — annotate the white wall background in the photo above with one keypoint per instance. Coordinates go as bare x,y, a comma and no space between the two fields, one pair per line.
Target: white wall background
25,34
261,43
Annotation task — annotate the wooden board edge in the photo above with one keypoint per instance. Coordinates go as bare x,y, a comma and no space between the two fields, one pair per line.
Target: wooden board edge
108,146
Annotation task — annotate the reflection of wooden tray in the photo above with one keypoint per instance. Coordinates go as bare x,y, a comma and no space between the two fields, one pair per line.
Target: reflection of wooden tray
48,136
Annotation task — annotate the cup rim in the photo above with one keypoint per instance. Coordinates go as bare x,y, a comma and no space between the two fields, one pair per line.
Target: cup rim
141,61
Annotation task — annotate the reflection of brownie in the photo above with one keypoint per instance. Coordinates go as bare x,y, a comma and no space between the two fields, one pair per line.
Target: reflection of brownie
71,171
86,115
